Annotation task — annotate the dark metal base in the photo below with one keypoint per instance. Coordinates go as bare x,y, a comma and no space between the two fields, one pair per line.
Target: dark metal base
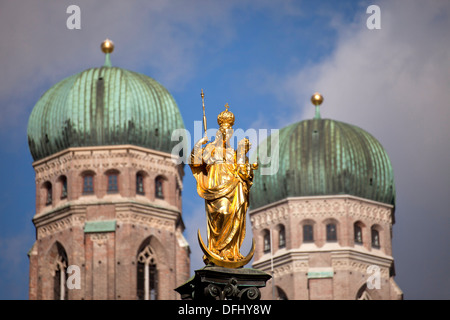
219,283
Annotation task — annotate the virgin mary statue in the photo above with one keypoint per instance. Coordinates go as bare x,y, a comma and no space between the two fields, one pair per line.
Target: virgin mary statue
224,178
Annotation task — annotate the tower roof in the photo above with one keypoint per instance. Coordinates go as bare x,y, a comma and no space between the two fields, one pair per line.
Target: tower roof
326,157
103,106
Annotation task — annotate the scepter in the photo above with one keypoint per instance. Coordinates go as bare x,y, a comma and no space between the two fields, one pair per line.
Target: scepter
204,116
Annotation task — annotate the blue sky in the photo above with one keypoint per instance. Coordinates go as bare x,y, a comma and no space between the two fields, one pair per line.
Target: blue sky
265,58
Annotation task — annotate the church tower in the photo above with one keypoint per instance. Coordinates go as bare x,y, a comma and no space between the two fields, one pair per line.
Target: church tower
108,193
323,222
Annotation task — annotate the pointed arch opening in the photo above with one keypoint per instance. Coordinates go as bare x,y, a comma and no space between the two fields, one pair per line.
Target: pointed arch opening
140,182
48,193
62,180
362,293
160,182
59,263
375,236
147,274
150,269
358,228
266,241
281,295
281,236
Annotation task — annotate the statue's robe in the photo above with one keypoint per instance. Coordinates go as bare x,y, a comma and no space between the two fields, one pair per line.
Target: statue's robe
224,185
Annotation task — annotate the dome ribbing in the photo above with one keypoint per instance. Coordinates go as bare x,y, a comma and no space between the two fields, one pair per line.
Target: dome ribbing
103,106
326,157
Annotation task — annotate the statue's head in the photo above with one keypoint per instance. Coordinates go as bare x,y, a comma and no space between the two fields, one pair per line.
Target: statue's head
223,137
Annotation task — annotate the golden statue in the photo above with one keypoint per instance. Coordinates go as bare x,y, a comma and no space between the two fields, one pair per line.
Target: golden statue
224,177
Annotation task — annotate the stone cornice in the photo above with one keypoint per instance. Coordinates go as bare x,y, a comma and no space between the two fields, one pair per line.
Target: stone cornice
138,212
59,213
48,227
74,215
341,259
106,157
287,258
321,207
99,148
149,220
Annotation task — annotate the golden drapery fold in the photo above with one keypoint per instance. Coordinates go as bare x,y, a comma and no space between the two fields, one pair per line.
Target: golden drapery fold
224,184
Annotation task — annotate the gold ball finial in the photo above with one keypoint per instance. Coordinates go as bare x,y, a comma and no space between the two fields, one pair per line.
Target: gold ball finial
317,99
107,46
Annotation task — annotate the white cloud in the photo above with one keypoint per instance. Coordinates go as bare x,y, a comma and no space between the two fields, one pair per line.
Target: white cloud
171,38
38,50
394,83
389,76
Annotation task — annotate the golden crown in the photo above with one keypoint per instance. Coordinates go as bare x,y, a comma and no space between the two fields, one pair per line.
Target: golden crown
225,119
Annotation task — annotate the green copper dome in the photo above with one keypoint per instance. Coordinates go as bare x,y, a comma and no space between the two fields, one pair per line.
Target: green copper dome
326,157
103,106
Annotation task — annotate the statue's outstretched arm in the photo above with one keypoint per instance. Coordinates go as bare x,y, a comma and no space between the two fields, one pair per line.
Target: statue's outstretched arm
196,159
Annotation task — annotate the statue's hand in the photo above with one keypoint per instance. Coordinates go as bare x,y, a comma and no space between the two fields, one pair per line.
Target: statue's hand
202,140
197,152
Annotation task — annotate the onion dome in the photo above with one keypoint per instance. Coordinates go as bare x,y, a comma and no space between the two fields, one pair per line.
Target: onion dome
321,157
103,106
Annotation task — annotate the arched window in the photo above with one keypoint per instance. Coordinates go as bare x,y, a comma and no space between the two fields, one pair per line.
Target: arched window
357,230
60,291
140,183
63,181
88,183
308,233
362,293
375,238
331,232
49,193
159,190
266,239
178,192
281,237
281,295
364,296
147,275
113,186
